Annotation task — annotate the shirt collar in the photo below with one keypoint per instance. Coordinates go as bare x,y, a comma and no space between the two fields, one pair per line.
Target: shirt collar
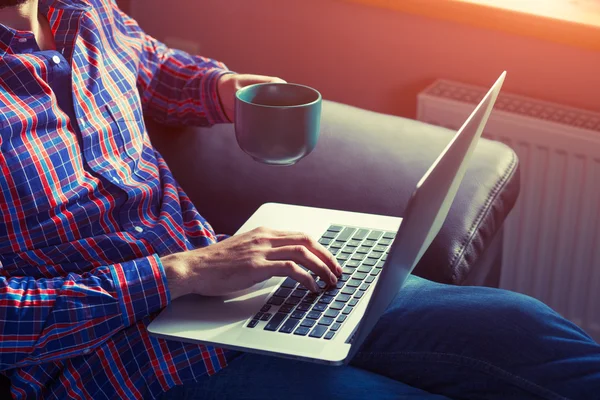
8,34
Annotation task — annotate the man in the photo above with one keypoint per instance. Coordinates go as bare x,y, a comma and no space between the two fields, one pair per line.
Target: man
96,237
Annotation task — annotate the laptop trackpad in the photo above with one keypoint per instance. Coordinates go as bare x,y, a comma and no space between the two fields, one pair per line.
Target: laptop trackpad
215,315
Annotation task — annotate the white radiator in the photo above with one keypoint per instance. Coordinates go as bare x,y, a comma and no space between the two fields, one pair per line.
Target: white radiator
552,237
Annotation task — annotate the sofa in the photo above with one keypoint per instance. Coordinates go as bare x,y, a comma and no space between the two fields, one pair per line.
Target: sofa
365,162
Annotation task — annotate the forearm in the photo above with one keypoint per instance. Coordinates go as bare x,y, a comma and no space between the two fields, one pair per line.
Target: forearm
179,88
51,319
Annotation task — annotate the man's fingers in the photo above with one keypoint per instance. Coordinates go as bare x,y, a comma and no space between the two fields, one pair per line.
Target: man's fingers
291,269
297,238
305,257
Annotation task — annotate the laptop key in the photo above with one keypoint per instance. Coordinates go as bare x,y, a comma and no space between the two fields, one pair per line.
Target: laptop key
380,264
347,310
292,301
309,323
289,325
375,272
265,308
302,331
352,263
289,283
359,256
335,326
252,323
340,284
358,295
336,245
369,243
322,284
374,235
275,322
389,235
385,242
384,257
313,315
332,291
343,298
374,255
345,235
342,256
370,262
334,251
370,279
286,308
303,307
320,307
353,283
325,241
353,302
349,290
348,250
311,298
381,249
365,268
335,228
298,314
329,335
299,292
337,305
353,243
277,301
258,315
282,292
329,235
341,318
348,270
364,286
326,321
318,331
344,277
326,299
265,316
331,313
363,250
361,234
359,275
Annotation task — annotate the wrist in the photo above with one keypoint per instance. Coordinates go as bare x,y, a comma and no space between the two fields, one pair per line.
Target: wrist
176,271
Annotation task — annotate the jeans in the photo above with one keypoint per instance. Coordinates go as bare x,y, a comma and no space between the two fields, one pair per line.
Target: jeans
435,341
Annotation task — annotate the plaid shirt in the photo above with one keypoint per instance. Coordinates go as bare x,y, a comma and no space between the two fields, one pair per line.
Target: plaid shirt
87,206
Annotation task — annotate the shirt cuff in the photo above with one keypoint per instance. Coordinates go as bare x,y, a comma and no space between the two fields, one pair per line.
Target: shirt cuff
141,287
215,113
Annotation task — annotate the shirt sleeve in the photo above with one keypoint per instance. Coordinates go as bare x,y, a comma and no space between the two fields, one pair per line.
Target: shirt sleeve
44,320
175,87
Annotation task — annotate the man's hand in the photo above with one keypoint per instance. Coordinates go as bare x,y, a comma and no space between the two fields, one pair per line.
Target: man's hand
241,261
229,84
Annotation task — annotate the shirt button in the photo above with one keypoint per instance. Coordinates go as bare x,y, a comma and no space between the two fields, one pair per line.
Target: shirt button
56,59
87,351
22,40
139,229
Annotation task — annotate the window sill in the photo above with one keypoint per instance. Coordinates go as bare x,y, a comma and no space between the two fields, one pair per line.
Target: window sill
574,23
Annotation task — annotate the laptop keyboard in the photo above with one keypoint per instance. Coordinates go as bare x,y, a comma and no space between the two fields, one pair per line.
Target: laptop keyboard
293,309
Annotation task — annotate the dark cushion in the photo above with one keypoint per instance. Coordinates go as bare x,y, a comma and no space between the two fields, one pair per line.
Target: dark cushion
365,162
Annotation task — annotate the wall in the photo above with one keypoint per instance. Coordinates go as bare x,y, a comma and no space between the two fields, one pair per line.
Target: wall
371,57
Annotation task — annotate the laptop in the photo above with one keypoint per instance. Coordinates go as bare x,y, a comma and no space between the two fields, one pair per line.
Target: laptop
279,317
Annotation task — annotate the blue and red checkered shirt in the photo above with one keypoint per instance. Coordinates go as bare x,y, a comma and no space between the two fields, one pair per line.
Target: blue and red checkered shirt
87,206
